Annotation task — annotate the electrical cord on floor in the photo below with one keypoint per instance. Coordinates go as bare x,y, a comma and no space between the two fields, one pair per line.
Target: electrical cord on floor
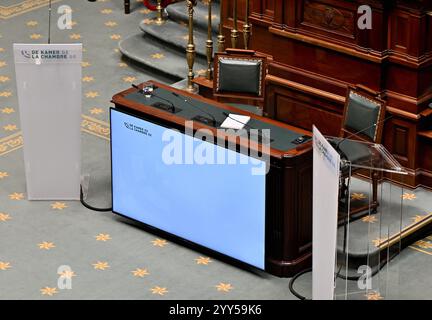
89,206
291,284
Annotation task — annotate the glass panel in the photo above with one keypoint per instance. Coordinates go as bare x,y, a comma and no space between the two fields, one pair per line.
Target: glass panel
371,222
361,154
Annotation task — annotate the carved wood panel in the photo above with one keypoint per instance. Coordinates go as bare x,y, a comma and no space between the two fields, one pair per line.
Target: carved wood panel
328,18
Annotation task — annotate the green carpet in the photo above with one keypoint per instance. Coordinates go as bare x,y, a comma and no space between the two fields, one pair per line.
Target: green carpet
109,257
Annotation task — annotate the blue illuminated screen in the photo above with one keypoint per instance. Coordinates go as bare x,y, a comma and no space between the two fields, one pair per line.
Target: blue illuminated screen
218,206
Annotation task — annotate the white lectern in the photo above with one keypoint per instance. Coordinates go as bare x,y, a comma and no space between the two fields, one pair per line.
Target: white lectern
49,93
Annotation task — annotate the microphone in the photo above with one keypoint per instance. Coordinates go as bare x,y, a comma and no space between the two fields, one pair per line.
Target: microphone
337,147
148,92
194,106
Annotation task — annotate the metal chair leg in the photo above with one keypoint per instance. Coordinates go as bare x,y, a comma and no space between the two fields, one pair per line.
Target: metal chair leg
127,6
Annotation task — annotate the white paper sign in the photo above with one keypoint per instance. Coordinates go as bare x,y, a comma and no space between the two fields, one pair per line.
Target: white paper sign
326,164
235,121
49,93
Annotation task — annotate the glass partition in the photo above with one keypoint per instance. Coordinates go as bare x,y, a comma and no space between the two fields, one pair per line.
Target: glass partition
370,222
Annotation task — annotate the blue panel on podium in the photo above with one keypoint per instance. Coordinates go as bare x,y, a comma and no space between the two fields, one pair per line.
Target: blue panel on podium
218,206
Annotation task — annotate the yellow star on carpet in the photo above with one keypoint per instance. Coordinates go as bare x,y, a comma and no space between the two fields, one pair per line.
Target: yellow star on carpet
374,295
35,36
5,265
158,56
87,79
2,50
358,196
7,110
145,11
418,218
72,24
101,265
213,16
68,10
68,274
203,260
369,219
85,64
96,111
4,79
106,11
92,94
16,196
46,245
224,287
4,217
103,237
140,273
115,37
5,94
111,23
10,127
122,65
409,196
3,175
2,64
129,79
158,290
75,36
424,244
58,205
47,291
159,243
32,23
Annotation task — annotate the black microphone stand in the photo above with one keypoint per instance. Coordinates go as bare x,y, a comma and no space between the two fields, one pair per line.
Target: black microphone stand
142,91
49,22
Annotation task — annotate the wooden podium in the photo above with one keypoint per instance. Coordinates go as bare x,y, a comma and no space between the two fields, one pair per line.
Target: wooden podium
288,230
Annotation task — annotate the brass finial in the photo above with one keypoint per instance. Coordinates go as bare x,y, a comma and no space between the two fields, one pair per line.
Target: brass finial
234,31
209,42
247,28
190,49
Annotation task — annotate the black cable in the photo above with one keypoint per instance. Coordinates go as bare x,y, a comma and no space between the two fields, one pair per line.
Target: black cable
293,279
89,206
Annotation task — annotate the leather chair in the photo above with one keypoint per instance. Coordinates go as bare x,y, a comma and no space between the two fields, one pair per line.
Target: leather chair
239,78
363,108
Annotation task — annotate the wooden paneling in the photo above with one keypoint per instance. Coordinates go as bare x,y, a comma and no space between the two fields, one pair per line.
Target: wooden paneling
317,50
324,18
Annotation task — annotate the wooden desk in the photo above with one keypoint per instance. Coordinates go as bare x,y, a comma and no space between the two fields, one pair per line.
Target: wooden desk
288,233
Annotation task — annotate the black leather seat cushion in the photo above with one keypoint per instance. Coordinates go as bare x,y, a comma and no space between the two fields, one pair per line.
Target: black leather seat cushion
353,151
239,75
362,113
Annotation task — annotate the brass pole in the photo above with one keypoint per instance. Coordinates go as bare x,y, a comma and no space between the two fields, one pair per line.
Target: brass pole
159,18
221,37
190,50
209,43
247,28
234,31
